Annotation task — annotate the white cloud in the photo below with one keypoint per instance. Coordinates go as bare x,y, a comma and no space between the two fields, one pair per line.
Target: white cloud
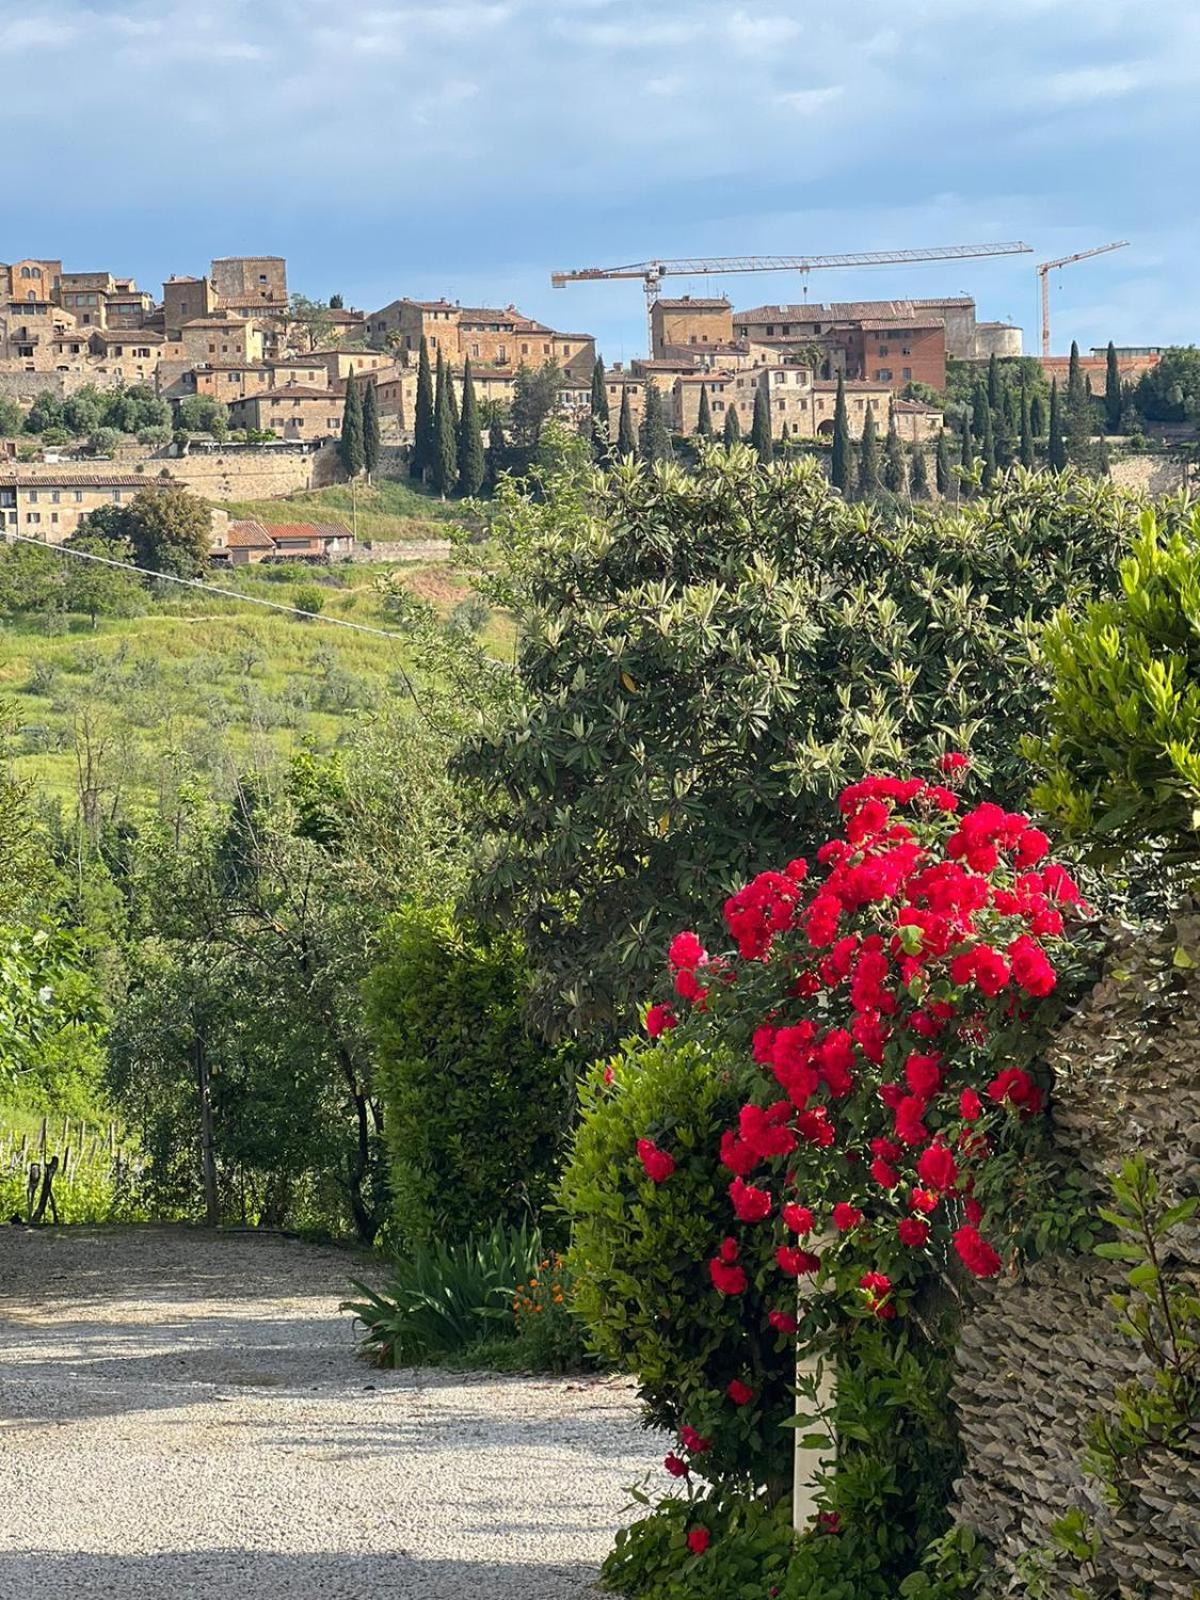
760,33
36,33
806,101
1082,85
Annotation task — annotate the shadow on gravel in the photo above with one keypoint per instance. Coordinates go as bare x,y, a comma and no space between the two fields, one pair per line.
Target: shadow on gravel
253,1575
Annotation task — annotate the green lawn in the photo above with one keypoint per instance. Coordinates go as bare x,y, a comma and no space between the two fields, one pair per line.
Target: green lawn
201,685
393,508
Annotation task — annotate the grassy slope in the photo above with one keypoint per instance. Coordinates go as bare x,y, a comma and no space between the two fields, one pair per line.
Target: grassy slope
390,509
201,684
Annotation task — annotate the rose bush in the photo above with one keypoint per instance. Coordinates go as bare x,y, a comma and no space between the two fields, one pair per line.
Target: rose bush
883,1013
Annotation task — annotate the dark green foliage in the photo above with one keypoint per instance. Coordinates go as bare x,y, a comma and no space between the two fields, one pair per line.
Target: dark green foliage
601,442
471,464
918,475
895,469
420,463
966,459
475,1105
444,474
1113,397
941,464
168,530
839,467
351,451
704,427
1170,390
979,410
868,459
1056,451
497,453
989,450
699,681
626,433
1027,457
535,398
994,396
760,427
1078,419
370,427
1039,412
45,412
632,1240
731,430
655,441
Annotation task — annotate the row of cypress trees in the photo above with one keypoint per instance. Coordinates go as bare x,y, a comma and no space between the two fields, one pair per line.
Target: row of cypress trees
448,449
358,447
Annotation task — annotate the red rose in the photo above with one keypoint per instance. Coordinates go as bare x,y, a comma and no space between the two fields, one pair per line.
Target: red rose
698,1541
884,1174
686,951
913,1232
973,1211
846,1216
659,1164
923,1075
1015,1088
740,1393
609,1075
975,1253
936,1168
923,1200
782,1321
694,1443
796,1263
815,1127
658,1019
676,1467
1031,966
970,1107
828,1522
749,1204
726,1279
798,1218
878,1287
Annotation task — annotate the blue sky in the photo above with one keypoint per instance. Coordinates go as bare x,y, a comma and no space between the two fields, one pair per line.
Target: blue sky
469,148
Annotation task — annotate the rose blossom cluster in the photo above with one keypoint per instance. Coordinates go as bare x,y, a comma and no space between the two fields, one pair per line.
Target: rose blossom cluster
925,930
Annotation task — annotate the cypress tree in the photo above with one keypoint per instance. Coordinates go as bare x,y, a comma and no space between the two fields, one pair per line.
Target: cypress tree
370,417
941,464
839,467
918,475
497,451
445,454
895,471
1028,459
760,428
350,445
1057,450
732,430
1077,420
704,415
1037,416
421,461
979,406
868,458
626,437
989,450
601,442
993,382
656,438
452,400
967,457
471,464
1113,399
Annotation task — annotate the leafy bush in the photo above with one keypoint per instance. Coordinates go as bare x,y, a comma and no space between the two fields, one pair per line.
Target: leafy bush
549,1335
475,1104
639,1255
705,658
443,1298
1121,761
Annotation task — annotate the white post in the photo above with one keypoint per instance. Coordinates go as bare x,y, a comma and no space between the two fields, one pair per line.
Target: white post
808,1463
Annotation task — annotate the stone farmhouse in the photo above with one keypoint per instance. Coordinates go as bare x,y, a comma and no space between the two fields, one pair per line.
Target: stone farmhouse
240,542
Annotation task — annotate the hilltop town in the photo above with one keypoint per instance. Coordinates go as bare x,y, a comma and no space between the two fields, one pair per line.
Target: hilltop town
92,366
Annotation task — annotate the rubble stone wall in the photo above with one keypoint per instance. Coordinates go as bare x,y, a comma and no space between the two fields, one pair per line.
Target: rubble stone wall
1042,1354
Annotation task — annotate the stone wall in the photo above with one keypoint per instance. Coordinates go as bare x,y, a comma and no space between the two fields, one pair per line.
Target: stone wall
1150,474
254,474
1041,1355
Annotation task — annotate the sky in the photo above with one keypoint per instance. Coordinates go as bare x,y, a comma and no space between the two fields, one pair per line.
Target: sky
470,148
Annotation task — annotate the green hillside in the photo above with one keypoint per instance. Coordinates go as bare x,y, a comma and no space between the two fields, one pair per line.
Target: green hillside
391,509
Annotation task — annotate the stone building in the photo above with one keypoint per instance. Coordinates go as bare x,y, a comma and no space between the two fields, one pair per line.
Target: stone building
50,506
29,279
617,383
185,299
689,323
801,406
220,337
251,285
295,411
486,335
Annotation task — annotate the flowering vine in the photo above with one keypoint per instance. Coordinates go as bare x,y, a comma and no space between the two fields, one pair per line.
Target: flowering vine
891,1001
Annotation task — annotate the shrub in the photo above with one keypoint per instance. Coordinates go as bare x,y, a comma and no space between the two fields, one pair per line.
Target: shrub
705,658
308,598
884,1144
1121,761
442,1298
475,1104
639,1254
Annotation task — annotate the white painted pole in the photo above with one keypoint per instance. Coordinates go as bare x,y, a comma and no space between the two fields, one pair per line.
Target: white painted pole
816,1367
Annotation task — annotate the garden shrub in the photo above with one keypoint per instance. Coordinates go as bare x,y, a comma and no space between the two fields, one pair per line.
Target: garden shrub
1121,759
639,1251
890,1016
705,658
476,1106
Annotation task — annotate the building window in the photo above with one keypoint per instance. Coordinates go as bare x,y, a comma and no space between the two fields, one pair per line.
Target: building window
906,349
54,497
883,349
883,374
33,516
33,497
906,373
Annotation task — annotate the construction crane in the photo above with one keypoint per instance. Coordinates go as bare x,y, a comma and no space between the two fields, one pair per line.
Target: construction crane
1047,267
653,272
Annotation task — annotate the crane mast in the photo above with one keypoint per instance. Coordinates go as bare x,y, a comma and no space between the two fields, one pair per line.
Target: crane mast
653,272
1045,268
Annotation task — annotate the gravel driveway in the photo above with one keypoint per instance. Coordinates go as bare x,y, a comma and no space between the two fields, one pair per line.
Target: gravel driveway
182,1415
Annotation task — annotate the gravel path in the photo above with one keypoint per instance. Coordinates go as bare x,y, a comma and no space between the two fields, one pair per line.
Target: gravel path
182,1415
